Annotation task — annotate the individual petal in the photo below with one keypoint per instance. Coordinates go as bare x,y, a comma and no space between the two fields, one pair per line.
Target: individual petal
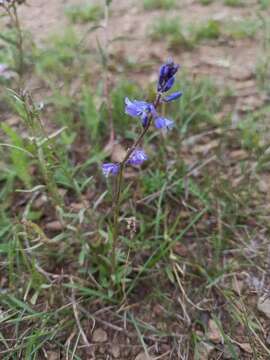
144,118
163,73
110,169
163,123
153,111
131,108
172,68
137,157
174,96
136,108
143,105
168,84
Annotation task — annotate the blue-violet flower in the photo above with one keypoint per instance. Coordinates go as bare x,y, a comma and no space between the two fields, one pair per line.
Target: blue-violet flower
137,157
174,96
139,109
147,111
163,123
110,169
169,84
166,76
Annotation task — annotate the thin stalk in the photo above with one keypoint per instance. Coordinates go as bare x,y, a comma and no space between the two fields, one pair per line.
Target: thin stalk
119,182
19,42
116,218
13,15
106,71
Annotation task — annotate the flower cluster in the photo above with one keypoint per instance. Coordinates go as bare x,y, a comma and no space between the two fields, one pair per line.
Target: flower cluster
137,157
146,112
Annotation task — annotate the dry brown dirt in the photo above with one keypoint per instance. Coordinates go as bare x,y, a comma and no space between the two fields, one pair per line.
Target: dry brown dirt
228,62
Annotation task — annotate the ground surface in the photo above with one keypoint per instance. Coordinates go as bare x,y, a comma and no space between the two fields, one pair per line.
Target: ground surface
194,277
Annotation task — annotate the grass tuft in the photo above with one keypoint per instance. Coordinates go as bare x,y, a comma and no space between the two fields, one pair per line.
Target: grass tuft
234,3
84,13
159,4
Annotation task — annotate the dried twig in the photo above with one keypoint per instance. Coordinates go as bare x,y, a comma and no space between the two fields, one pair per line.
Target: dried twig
76,315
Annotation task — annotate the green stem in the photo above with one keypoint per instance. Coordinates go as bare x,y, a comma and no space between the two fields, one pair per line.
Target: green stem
19,43
106,70
119,182
13,14
116,218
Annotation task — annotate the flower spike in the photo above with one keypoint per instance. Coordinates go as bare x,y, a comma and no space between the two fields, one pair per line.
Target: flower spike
147,113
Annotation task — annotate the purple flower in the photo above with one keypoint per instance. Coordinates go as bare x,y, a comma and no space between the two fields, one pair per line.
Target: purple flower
174,96
110,169
163,123
4,71
169,84
166,75
139,109
3,67
137,157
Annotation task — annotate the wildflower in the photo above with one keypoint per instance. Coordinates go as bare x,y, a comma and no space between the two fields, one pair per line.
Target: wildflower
169,84
163,123
139,109
3,67
174,96
5,72
110,169
166,76
146,112
137,157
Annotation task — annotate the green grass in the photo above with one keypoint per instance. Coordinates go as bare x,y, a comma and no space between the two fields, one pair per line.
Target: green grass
206,2
61,52
234,3
84,13
241,29
171,30
159,4
183,37
262,73
9,51
262,66
209,30
265,4
186,37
